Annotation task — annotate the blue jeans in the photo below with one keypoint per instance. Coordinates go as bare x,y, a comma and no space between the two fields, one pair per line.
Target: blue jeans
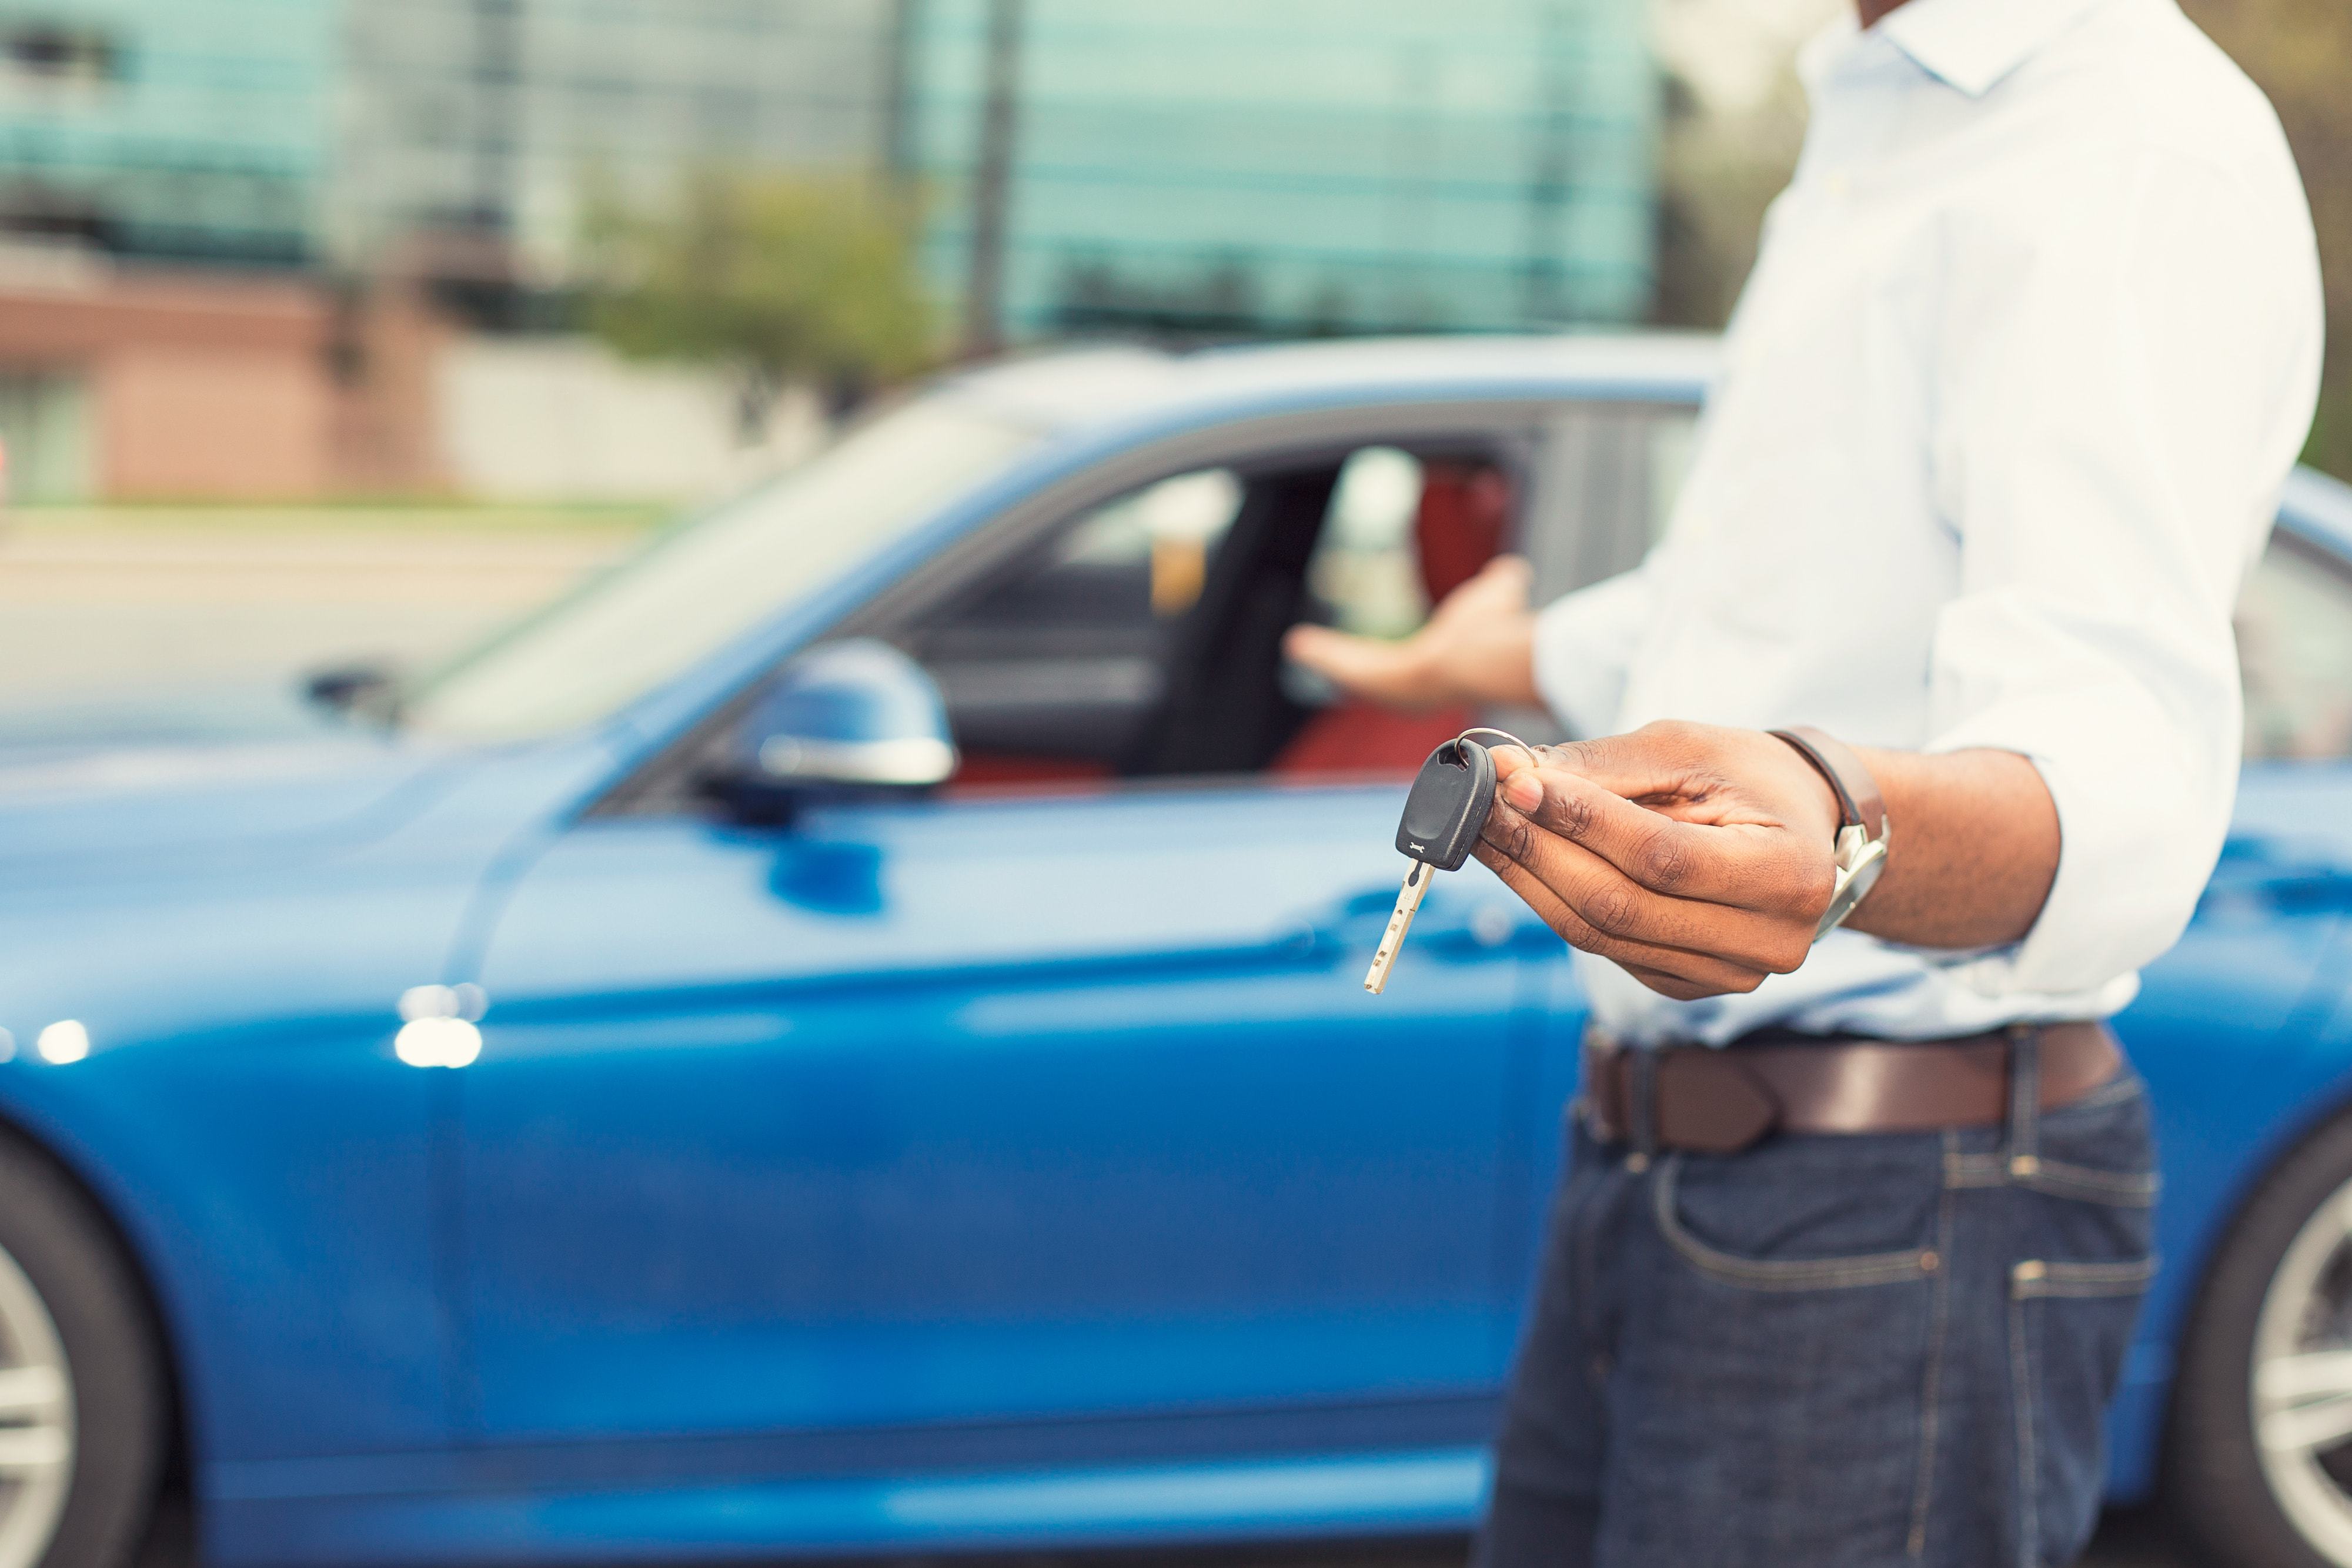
1878,1349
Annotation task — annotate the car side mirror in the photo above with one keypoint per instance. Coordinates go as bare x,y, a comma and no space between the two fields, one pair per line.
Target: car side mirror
852,716
363,689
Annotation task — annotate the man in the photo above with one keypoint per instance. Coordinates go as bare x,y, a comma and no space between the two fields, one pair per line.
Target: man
2032,344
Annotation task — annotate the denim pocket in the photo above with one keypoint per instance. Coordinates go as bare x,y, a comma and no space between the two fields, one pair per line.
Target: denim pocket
1805,1214
2070,1325
2096,1150
1778,1355
2085,1216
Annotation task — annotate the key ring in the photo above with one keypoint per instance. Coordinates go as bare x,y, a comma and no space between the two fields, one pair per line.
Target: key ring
1490,729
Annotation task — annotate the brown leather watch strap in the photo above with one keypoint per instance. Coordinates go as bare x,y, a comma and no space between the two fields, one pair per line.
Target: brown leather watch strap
1849,777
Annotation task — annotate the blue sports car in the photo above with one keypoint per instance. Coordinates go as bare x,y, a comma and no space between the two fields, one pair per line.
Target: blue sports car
845,1034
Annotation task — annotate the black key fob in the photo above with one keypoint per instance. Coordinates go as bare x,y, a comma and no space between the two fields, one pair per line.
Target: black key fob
1450,799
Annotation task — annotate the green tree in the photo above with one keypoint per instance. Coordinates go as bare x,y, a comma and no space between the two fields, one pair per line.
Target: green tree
2300,51
792,278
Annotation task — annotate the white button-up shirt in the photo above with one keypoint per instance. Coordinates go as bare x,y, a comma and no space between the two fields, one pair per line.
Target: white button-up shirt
2032,345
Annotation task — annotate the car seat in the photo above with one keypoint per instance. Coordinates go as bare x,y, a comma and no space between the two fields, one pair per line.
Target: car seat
1457,528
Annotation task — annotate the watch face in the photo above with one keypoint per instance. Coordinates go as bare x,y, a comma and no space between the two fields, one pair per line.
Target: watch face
1854,884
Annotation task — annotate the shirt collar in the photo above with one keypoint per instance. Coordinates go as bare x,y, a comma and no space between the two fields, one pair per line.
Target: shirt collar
1970,45
1824,50
1973,44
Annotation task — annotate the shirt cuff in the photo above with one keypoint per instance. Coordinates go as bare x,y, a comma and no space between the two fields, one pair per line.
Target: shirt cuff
2137,838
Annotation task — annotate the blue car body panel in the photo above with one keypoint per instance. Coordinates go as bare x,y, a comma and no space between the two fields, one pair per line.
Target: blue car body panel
956,1173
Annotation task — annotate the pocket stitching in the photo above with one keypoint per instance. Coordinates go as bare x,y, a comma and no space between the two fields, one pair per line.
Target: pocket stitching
2085,1280
2116,1091
2086,1183
2128,1189
1776,1274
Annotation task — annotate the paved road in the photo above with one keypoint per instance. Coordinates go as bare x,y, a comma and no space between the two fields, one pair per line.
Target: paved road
87,605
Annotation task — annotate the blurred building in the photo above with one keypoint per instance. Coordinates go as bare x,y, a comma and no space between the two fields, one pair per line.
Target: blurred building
1226,167
239,238
472,132
200,129
137,140
242,242
124,380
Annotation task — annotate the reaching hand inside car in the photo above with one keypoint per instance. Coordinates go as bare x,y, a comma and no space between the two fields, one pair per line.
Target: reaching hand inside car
1474,648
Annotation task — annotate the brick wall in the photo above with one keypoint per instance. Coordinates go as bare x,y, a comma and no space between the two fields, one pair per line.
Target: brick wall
207,386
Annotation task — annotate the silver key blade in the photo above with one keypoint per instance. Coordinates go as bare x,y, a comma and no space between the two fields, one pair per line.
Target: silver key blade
1417,879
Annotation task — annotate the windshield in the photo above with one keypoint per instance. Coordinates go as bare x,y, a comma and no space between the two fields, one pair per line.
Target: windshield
700,585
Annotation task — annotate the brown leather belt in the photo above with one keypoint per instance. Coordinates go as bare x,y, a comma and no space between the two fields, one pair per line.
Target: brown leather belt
1709,1100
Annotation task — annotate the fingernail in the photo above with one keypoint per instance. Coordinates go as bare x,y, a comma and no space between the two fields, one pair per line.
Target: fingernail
1522,790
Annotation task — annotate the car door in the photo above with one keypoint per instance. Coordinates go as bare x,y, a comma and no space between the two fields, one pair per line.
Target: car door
1007,1109
2232,1028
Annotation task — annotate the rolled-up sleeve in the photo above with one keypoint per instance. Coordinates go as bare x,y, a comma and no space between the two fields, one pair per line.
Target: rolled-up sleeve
2124,390
1584,644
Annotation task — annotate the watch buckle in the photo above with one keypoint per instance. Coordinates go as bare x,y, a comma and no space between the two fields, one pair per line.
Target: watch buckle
1860,859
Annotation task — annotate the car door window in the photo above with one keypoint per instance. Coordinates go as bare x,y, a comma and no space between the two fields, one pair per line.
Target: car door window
1365,573
1143,637
2295,648
1610,475
1404,531
1050,668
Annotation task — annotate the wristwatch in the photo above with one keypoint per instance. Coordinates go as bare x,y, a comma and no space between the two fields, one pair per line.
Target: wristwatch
1862,828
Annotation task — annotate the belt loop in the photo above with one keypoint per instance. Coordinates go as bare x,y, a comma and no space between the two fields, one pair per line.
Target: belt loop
2024,1099
1641,1105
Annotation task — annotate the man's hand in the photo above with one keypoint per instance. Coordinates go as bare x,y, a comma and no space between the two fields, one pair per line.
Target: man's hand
1476,647
1698,858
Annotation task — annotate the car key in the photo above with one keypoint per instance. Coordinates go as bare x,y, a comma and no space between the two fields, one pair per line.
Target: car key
1448,805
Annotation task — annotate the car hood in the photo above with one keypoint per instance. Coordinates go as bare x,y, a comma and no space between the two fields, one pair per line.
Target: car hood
75,812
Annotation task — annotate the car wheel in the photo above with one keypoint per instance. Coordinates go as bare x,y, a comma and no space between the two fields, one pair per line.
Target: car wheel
2260,1453
82,1400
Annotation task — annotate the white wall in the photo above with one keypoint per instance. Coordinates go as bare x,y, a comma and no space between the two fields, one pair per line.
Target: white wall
568,419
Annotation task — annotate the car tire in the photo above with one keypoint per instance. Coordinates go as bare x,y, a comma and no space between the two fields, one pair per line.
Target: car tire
2275,1508
70,1301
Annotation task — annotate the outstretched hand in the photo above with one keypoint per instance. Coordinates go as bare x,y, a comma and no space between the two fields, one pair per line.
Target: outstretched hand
1696,858
1476,647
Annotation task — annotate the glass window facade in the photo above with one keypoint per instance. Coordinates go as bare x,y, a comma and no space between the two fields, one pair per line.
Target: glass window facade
1211,168
194,130
497,116
1227,167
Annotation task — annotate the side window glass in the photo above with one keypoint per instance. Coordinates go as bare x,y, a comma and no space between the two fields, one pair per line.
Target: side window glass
1403,532
1051,671
1161,536
2295,648
1145,637
1611,476
1365,575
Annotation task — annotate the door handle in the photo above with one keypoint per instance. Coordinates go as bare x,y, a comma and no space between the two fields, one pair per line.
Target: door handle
2256,877
1463,921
